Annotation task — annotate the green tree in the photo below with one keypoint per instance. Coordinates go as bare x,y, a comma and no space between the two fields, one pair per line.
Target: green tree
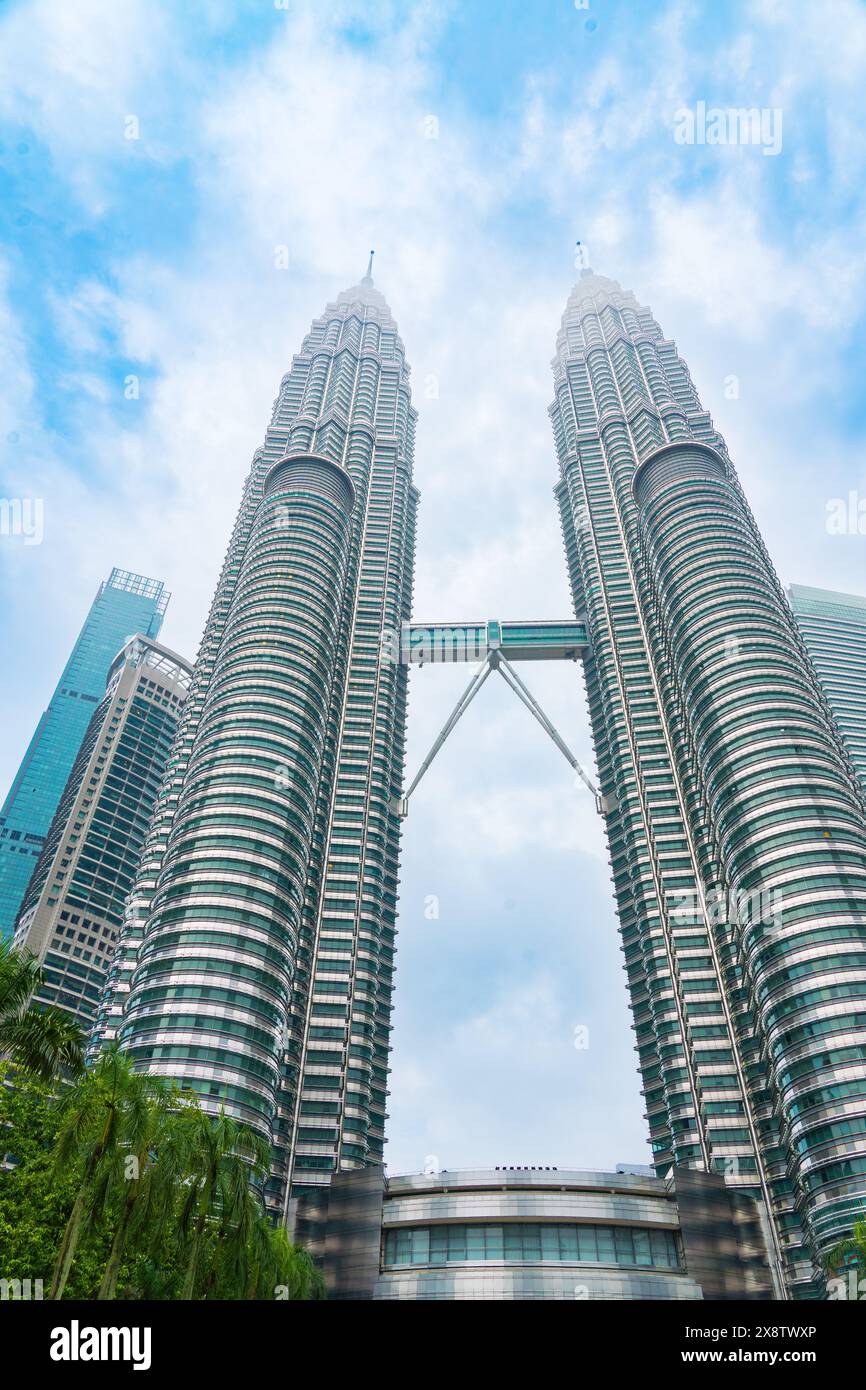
290,1270
126,1189
104,1117
35,1200
225,1158
42,1041
146,1172
849,1253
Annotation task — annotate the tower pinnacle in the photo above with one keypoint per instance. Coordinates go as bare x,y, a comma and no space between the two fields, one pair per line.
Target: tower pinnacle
368,278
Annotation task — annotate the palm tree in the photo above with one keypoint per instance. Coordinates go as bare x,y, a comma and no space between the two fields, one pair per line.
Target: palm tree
103,1119
849,1253
226,1158
42,1041
285,1267
147,1170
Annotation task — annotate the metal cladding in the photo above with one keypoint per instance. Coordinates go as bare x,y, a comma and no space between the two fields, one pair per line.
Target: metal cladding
834,631
535,1233
784,813
256,959
72,912
125,603
213,988
736,826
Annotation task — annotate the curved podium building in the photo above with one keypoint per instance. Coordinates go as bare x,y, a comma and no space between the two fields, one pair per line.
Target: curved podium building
535,1233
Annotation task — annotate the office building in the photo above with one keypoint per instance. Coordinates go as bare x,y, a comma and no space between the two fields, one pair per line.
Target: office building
535,1233
124,605
736,825
256,964
72,912
834,630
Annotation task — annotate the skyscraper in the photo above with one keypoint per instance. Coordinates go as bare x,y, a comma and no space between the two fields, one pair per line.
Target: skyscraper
834,630
124,604
255,964
72,911
737,827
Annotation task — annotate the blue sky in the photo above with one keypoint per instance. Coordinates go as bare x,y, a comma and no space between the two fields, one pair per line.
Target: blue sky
305,127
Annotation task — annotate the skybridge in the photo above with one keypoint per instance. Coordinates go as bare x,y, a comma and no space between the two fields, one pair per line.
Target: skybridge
495,644
527,641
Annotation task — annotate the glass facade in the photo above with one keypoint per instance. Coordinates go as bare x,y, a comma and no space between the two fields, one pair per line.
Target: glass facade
524,1242
124,604
290,1028
214,977
834,630
534,1233
72,911
724,775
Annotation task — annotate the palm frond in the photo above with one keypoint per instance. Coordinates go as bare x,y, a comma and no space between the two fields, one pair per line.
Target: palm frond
44,1042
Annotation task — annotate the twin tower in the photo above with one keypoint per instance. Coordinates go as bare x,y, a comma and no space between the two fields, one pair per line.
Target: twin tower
256,961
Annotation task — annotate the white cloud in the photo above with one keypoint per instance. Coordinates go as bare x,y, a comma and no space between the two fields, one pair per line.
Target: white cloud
501,821
713,250
16,379
73,73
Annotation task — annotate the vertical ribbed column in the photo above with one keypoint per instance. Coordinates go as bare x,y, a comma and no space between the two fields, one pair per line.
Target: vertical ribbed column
784,817
210,998
622,392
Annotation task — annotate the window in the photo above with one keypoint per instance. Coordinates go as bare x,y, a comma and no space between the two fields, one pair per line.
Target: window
520,1243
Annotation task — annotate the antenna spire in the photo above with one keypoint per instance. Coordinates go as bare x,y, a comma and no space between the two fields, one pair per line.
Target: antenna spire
368,278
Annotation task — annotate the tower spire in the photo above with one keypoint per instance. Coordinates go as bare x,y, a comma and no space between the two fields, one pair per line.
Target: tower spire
368,278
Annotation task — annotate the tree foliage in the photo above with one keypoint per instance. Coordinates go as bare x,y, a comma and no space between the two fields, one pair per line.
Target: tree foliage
850,1253
42,1042
117,1185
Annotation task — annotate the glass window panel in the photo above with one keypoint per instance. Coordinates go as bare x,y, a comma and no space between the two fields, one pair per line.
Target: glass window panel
549,1243
672,1250
642,1248
456,1242
420,1247
623,1246
568,1243
606,1254
494,1243
475,1242
513,1243
438,1245
532,1242
588,1243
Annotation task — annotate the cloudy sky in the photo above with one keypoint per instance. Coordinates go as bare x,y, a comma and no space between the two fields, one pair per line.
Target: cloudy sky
155,156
